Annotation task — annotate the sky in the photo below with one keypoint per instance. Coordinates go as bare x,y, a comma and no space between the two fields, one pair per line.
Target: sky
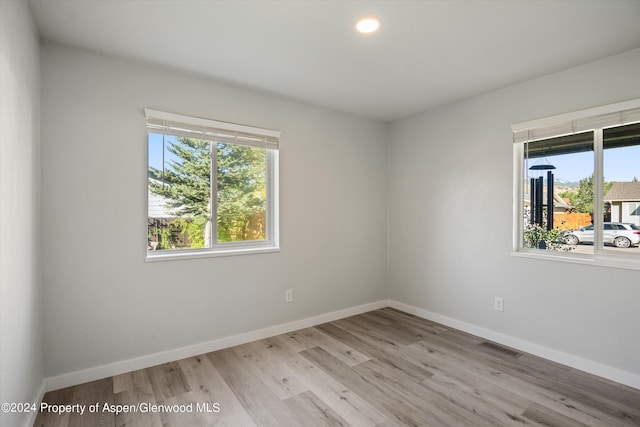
155,149
620,165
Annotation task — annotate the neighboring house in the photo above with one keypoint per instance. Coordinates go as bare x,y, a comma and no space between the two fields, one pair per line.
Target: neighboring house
160,216
560,205
625,202
158,205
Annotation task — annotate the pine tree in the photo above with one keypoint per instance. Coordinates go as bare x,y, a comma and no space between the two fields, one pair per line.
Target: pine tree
186,182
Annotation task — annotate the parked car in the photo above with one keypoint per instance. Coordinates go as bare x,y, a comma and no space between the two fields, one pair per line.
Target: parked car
619,234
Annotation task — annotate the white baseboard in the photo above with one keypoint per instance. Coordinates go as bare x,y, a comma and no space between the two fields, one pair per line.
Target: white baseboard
608,372
121,367
92,374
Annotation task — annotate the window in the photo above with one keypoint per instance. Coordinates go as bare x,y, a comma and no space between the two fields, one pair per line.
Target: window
558,173
576,189
212,187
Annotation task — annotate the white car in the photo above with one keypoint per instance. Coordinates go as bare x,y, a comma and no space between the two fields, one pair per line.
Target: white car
619,234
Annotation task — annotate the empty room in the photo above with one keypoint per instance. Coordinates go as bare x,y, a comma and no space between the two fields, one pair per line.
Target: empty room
319,213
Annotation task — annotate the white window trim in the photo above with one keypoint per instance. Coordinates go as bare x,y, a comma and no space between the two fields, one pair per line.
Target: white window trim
204,253
272,243
208,123
592,119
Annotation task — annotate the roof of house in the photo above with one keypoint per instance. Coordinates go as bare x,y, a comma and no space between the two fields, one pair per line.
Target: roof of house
623,191
558,202
157,205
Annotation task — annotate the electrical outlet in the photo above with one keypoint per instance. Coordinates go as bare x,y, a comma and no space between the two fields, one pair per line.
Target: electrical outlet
498,304
288,295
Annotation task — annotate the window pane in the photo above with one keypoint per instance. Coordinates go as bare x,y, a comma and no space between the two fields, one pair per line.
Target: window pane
621,165
567,164
242,192
179,192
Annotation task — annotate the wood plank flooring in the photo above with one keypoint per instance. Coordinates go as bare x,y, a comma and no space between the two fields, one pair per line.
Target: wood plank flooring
382,368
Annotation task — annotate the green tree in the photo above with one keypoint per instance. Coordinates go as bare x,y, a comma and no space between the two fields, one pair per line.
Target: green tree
569,194
242,194
185,182
582,199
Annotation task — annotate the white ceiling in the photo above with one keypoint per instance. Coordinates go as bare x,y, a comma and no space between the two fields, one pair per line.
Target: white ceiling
426,53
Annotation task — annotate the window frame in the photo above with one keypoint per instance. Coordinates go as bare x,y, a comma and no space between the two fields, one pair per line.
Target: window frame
596,120
272,242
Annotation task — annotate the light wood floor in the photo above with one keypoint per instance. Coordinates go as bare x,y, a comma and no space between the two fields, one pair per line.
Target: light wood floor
382,368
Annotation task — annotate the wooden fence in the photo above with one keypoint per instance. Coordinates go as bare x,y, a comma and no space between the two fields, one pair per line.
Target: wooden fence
571,221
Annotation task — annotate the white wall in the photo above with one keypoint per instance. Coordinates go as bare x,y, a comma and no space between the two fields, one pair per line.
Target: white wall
104,303
450,223
21,352
627,207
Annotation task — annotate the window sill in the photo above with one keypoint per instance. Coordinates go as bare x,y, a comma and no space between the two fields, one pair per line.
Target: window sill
585,259
156,256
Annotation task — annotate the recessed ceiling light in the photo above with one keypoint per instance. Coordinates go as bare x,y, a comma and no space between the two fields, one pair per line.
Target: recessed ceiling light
367,25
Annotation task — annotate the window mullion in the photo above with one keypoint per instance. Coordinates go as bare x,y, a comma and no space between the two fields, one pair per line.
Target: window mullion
271,184
213,202
598,180
518,214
